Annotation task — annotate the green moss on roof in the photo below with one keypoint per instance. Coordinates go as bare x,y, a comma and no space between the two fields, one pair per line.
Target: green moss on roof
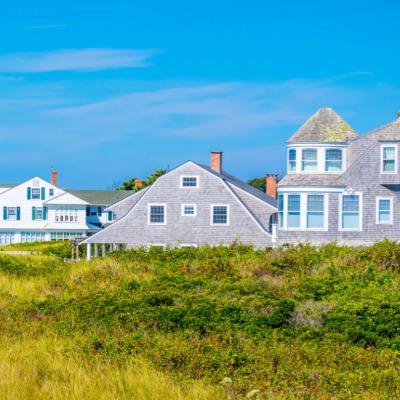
324,126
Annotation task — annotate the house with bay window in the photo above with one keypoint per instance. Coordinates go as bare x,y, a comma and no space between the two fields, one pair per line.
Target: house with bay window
340,186
189,206
37,210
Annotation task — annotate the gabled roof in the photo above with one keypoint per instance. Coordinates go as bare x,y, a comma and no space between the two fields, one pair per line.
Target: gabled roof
310,180
324,126
242,185
66,198
100,197
389,132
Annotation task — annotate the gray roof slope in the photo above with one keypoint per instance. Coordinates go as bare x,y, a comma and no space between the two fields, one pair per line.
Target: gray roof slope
100,197
310,180
389,131
242,185
324,126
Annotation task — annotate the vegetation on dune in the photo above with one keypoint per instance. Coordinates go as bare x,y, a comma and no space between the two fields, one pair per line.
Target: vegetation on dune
207,323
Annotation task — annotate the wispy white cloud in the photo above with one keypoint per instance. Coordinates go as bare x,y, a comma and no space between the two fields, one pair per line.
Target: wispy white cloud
75,60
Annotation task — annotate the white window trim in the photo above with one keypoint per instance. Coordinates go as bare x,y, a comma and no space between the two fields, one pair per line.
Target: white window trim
227,216
377,210
289,171
326,208
301,161
189,176
183,245
286,214
188,205
395,158
360,228
149,212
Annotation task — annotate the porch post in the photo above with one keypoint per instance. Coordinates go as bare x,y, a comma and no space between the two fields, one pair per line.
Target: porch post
88,252
96,250
111,247
103,250
77,252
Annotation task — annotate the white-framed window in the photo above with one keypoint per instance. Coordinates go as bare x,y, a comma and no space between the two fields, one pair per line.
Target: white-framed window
51,192
157,214
351,212
35,193
333,160
189,181
7,238
219,214
189,210
293,211
315,211
39,214
384,210
66,214
12,213
188,245
28,237
389,159
65,235
292,157
281,212
309,160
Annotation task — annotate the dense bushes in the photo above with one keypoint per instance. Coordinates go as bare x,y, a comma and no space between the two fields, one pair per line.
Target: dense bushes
295,322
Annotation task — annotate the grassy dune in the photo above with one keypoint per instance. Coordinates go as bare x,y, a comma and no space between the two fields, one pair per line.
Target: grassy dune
225,323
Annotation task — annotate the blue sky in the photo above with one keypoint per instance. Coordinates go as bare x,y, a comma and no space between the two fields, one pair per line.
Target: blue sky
107,90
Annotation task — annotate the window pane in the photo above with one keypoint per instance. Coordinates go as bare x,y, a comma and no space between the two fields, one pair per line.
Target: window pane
350,203
293,220
188,210
294,202
157,214
315,202
310,155
334,154
281,209
384,216
292,155
220,215
388,153
350,221
315,220
384,205
389,158
35,193
388,165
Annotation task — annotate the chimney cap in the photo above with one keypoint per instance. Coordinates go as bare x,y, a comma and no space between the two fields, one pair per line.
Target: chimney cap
216,151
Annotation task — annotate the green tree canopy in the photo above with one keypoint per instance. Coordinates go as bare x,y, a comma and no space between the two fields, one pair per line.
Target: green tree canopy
130,183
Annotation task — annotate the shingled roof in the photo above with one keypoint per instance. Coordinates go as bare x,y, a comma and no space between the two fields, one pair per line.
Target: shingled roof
324,126
389,132
100,197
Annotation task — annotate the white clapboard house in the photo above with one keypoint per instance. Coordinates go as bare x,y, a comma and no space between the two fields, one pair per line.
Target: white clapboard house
37,210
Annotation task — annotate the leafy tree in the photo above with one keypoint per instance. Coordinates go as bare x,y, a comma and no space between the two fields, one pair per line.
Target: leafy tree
258,183
130,183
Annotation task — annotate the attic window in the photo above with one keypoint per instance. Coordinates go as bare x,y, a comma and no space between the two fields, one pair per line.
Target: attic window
389,159
309,160
189,181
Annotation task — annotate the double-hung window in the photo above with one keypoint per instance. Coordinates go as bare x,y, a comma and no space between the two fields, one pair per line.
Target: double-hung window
157,214
293,215
351,219
220,215
12,213
292,160
189,181
315,211
189,210
384,210
389,159
281,207
35,193
309,160
333,160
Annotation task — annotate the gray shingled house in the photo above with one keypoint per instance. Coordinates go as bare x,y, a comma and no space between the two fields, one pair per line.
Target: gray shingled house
340,186
191,205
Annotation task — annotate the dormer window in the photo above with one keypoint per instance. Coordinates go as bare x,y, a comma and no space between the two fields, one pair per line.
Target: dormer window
189,181
309,160
333,160
292,160
389,159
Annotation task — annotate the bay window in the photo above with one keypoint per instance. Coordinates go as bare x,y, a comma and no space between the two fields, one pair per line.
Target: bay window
292,160
309,160
315,211
281,208
293,214
351,219
333,160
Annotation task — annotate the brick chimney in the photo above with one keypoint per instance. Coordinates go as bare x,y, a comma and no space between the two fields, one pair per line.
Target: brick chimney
216,161
398,114
270,186
138,183
54,177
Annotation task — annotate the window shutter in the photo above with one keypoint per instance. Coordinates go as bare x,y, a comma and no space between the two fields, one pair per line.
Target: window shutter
43,193
18,213
33,213
44,212
110,216
5,213
28,193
